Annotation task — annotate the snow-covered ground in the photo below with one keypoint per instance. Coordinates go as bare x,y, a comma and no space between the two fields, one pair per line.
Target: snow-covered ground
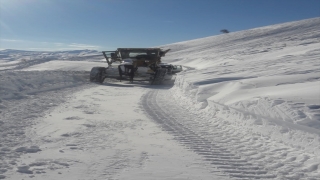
17,59
247,106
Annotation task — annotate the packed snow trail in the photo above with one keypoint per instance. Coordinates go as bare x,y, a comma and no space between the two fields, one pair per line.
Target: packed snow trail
100,132
237,154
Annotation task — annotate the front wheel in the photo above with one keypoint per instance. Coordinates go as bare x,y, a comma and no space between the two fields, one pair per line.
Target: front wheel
98,74
158,77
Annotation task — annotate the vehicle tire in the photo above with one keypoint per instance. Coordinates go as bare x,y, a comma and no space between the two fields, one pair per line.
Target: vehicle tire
98,74
102,74
159,76
120,73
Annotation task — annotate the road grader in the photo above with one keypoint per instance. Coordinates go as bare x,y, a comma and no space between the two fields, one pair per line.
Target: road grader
134,63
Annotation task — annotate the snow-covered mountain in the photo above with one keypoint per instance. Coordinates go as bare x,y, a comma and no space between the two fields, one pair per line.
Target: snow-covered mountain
246,106
13,55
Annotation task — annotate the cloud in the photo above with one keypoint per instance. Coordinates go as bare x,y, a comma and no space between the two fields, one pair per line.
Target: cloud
85,46
42,45
59,44
11,40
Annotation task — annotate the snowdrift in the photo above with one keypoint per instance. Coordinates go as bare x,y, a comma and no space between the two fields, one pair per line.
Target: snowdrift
264,79
19,59
30,72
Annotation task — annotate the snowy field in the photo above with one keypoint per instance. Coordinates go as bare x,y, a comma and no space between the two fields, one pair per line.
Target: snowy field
247,106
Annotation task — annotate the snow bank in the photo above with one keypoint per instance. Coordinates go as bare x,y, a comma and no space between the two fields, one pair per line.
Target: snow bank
265,79
29,72
19,84
17,59
65,66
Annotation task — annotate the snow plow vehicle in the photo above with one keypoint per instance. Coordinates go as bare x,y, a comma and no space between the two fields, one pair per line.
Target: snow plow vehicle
142,63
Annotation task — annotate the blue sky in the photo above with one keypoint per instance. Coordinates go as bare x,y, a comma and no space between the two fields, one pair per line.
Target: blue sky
108,24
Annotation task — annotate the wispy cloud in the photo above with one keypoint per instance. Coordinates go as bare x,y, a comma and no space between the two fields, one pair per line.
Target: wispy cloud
42,49
11,40
43,45
85,46
59,44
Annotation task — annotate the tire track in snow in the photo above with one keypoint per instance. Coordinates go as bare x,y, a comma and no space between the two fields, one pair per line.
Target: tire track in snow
235,154
213,152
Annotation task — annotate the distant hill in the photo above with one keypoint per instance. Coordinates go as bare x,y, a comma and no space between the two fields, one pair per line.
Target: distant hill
18,55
